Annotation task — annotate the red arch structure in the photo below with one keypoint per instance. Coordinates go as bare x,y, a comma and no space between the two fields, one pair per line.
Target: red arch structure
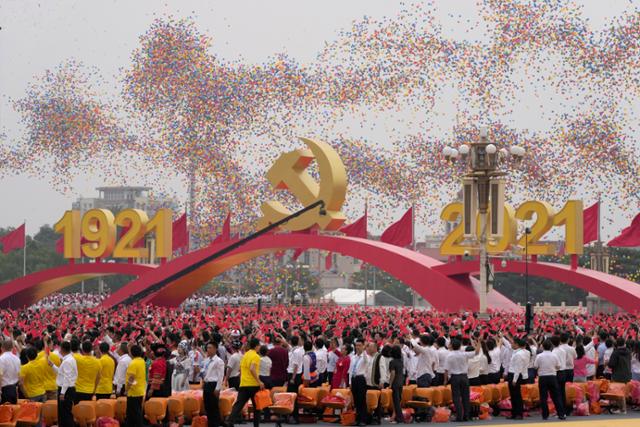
446,286
621,292
29,289
413,268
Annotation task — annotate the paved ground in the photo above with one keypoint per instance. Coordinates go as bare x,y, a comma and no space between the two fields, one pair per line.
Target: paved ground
632,419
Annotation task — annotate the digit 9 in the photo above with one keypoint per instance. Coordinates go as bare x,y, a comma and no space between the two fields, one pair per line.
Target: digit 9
98,226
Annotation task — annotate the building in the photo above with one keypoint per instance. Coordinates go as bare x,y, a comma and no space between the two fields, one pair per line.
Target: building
118,198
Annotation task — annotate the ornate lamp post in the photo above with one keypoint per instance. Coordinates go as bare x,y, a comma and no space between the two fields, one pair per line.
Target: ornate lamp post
483,192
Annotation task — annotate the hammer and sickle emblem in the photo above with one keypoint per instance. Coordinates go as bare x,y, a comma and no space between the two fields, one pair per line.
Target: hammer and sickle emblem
289,173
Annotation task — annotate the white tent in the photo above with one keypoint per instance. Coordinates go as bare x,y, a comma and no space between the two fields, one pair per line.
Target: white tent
344,296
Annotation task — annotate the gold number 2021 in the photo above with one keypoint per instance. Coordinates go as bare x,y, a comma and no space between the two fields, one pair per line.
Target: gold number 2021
570,216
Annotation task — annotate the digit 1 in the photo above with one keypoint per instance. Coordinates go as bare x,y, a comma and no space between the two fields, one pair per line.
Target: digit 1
99,228
161,225
571,217
69,227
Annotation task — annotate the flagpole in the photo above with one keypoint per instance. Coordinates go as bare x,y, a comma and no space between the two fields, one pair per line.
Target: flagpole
366,270
599,210
413,244
24,250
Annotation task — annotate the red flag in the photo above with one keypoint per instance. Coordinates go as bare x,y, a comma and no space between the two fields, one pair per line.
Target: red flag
400,233
180,233
225,236
328,261
60,245
357,228
13,240
590,223
630,236
297,253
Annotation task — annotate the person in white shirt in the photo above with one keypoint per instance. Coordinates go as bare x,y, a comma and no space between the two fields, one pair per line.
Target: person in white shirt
321,360
360,368
505,355
570,356
213,377
456,370
120,375
517,375
591,353
332,359
66,376
426,360
442,354
385,359
533,349
548,365
494,366
233,369
9,373
635,362
265,367
562,358
294,371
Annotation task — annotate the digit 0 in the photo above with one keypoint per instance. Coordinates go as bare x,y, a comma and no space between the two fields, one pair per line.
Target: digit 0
510,230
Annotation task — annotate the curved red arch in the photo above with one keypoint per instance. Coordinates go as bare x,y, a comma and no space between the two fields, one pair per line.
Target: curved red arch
617,290
413,268
30,289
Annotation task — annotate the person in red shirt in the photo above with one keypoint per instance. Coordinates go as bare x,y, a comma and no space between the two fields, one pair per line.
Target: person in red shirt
157,373
279,356
341,375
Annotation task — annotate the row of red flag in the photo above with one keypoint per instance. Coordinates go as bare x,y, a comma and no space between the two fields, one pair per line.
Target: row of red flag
400,233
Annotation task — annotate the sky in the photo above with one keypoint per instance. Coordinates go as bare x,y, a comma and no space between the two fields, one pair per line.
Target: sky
39,35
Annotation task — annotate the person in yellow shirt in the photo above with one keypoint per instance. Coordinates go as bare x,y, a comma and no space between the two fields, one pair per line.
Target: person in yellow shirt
49,378
88,373
250,383
108,367
31,377
136,388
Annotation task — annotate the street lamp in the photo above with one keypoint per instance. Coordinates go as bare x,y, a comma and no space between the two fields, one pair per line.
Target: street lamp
483,184
528,314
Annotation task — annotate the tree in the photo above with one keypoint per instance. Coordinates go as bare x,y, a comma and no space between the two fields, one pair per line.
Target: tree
41,254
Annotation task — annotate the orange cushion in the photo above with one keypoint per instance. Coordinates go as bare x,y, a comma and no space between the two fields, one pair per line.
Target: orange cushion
6,413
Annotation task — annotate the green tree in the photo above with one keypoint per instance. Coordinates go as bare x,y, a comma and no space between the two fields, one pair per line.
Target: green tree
41,254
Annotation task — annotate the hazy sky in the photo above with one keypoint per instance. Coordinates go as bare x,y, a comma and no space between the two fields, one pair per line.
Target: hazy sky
39,35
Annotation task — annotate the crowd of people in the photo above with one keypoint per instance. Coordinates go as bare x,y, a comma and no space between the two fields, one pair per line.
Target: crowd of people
209,299
71,299
142,351
206,299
